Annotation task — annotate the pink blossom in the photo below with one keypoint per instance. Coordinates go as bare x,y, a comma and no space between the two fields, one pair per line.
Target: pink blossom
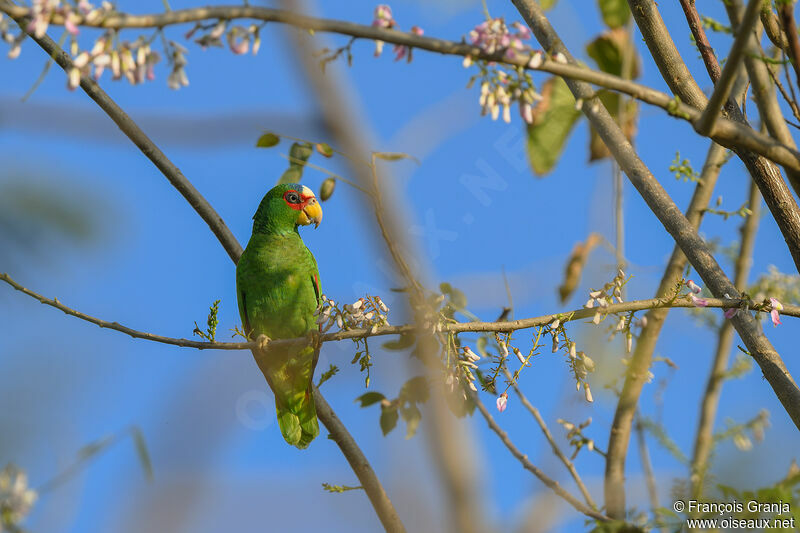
70,23
697,301
493,36
383,17
777,307
502,402
730,313
694,287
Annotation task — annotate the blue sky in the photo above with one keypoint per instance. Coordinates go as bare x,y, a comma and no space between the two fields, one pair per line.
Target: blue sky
218,458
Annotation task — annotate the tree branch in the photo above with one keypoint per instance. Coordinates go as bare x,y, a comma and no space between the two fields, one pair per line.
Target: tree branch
710,401
725,132
549,436
674,222
701,39
781,203
769,109
458,327
786,13
723,86
639,365
360,465
522,458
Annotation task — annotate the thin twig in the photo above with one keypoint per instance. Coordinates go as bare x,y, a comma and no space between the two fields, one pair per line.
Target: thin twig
640,361
786,14
647,466
723,86
701,39
549,436
522,458
710,401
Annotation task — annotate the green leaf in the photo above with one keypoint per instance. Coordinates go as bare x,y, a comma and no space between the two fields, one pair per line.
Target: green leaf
404,341
412,417
93,448
336,489
300,152
394,156
608,51
389,418
328,374
547,4
369,398
615,13
291,175
415,390
326,189
553,119
455,296
142,452
268,140
480,345
324,149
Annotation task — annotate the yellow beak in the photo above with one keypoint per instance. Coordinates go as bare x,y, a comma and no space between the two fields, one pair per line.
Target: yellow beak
312,212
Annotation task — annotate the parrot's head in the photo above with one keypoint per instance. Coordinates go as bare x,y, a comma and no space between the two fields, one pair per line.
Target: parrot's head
285,207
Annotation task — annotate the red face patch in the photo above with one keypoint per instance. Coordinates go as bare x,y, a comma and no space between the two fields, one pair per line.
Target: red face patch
295,199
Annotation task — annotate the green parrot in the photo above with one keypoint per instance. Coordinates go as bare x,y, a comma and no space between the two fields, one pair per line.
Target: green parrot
277,285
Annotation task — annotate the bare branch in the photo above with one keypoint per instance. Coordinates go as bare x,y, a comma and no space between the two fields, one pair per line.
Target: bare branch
710,401
459,327
760,75
549,436
701,39
522,458
723,86
639,365
358,462
786,13
772,27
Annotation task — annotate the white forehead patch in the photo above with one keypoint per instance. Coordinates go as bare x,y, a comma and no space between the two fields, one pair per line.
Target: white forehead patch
305,191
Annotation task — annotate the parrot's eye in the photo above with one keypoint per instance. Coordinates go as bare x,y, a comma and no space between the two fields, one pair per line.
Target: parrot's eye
292,197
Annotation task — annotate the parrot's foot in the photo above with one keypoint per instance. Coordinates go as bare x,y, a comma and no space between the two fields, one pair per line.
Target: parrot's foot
262,341
314,338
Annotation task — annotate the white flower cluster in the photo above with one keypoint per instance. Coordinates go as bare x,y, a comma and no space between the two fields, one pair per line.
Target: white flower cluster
465,363
580,363
498,92
133,61
600,299
368,313
575,435
16,499
240,39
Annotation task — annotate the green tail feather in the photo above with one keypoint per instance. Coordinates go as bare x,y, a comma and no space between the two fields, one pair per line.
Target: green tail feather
297,418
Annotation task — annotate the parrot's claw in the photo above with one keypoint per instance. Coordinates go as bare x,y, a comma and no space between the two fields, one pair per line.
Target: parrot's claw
314,338
262,341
